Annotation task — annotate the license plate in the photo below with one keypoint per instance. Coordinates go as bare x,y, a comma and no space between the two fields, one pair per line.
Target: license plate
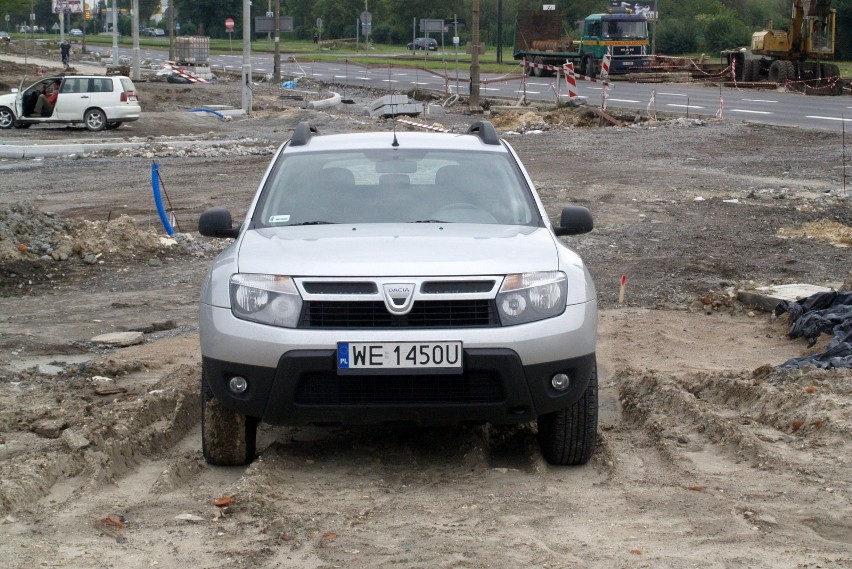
411,357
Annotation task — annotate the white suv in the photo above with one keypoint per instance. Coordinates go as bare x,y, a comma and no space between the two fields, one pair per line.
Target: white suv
95,101
398,277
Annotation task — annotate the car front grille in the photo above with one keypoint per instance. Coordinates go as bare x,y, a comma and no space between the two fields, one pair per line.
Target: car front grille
473,313
479,387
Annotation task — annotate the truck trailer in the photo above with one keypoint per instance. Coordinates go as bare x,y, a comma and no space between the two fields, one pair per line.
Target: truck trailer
541,38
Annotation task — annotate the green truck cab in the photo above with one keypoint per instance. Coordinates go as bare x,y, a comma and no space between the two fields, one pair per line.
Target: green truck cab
541,39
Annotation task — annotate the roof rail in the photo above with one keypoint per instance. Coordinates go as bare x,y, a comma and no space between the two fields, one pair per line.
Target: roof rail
485,131
303,133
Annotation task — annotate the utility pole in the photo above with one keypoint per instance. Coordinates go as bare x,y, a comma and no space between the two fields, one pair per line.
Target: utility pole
62,6
171,30
473,103
134,26
114,34
247,56
276,63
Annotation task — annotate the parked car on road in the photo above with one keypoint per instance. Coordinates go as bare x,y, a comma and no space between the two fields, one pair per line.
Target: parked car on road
75,32
402,277
4,36
423,43
95,101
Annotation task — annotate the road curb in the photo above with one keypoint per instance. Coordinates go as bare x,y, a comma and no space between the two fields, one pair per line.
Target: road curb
52,150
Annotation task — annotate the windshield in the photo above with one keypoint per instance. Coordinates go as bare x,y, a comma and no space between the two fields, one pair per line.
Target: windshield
625,29
395,186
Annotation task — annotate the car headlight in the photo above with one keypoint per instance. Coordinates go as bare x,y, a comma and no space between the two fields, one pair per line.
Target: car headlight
527,297
268,299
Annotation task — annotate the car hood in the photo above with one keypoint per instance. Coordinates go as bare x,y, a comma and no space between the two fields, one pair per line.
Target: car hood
397,249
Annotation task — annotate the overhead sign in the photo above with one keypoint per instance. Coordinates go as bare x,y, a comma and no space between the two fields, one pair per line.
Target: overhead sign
548,7
431,25
264,25
68,6
229,23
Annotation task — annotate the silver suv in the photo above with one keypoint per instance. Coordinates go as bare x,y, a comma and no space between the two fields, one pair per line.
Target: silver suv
398,277
96,101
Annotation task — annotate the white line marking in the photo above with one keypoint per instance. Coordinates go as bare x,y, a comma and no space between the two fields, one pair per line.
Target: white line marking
390,80
761,101
539,84
828,118
528,92
674,94
750,112
622,100
685,106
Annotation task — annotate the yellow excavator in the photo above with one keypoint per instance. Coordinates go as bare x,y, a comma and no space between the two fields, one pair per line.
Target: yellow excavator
801,53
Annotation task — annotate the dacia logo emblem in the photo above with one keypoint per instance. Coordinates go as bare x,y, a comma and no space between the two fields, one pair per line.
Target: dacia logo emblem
399,297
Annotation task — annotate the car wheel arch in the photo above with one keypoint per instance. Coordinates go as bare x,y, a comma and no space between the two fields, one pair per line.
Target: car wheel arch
94,111
7,117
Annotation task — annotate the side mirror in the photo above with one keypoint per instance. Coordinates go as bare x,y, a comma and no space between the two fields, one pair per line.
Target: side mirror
575,220
217,222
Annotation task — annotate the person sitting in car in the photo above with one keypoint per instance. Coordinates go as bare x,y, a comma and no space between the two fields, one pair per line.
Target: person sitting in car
47,100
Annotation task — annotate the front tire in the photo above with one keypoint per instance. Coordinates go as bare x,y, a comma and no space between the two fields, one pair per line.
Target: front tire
228,438
568,436
590,67
7,118
95,120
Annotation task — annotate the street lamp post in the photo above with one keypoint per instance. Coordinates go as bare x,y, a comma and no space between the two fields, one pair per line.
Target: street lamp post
135,31
246,98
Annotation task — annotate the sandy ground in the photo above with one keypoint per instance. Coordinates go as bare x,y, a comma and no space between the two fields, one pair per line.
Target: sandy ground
708,455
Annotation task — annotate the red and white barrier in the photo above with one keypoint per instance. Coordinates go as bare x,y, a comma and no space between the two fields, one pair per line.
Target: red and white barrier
422,125
181,72
570,79
605,66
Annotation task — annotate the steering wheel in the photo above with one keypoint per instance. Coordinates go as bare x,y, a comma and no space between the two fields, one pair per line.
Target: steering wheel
462,212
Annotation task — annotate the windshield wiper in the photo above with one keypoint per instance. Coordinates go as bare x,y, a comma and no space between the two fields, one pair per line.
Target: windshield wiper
313,223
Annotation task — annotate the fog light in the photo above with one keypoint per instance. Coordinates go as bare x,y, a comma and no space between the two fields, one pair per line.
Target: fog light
238,385
560,382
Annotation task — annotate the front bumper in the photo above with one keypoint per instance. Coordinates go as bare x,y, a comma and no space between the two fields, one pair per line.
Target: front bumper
304,388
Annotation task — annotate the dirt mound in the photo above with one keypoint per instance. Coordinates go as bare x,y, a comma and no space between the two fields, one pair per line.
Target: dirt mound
772,419
27,232
529,120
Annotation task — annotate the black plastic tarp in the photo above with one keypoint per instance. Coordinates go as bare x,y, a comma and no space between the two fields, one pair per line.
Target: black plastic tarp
821,313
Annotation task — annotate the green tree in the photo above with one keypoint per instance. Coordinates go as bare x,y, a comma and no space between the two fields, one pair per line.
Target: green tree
675,37
724,32
209,15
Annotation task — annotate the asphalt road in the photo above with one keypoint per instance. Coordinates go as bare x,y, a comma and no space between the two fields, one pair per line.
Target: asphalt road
769,107
690,99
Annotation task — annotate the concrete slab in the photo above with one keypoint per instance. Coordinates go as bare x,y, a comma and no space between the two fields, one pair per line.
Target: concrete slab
767,297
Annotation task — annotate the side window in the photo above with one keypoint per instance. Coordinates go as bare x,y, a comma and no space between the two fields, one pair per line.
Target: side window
73,86
594,29
100,85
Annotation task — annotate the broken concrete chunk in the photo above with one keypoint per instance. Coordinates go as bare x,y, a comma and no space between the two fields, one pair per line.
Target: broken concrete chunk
767,297
154,327
74,440
48,428
119,339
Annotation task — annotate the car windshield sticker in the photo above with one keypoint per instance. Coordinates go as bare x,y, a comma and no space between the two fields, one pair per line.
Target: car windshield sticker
279,218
